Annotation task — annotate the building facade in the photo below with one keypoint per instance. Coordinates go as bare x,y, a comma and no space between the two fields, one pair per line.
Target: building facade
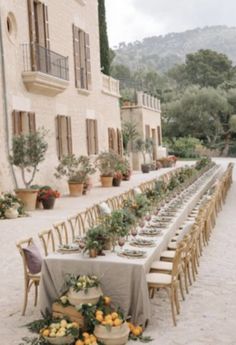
51,77
146,114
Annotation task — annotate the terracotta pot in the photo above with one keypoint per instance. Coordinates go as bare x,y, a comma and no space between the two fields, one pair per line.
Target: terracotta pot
92,296
106,181
116,182
48,204
29,197
145,168
114,336
92,253
76,189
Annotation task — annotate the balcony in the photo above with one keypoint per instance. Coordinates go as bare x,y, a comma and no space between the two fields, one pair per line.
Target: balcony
110,86
44,71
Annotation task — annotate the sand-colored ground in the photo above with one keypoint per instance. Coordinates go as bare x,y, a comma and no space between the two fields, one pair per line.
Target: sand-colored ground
207,316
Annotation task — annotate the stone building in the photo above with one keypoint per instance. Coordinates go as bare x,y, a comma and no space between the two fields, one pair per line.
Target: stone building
50,77
146,114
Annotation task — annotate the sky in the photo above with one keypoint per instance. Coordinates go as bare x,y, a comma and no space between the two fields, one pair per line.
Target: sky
130,20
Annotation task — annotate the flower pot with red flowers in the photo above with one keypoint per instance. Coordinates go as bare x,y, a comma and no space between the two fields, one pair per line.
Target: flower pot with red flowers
47,196
117,178
77,170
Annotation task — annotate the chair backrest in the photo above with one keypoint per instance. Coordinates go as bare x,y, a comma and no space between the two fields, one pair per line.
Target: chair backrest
93,214
177,261
21,245
77,225
62,232
48,241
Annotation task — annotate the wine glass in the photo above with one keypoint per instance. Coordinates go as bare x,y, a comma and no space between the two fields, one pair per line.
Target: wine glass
81,243
134,232
121,242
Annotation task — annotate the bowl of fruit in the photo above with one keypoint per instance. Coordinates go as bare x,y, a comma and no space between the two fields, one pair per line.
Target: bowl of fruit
60,332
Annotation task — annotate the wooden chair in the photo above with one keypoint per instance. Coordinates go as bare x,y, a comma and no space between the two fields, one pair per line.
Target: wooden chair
63,233
169,282
77,225
29,279
47,239
93,215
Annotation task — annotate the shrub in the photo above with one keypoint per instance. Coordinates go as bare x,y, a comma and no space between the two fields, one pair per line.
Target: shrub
185,147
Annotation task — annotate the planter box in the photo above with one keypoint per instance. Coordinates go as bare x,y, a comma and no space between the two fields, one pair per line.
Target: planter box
77,298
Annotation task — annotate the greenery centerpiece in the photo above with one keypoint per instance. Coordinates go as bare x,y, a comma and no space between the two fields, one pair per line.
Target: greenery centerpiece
96,240
28,151
76,170
10,206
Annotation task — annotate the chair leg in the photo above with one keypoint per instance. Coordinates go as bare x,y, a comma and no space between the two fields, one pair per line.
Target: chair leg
181,287
25,297
36,294
186,280
189,275
171,298
176,299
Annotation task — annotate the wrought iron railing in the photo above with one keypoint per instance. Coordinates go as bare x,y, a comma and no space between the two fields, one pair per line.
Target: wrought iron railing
38,58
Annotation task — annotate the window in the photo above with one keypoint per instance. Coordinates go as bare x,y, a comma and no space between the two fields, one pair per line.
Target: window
82,59
23,122
92,137
115,140
147,131
11,26
64,135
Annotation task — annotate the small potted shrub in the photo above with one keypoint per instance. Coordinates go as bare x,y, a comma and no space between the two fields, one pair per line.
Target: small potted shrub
47,197
77,171
126,173
96,240
10,206
28,151
117,178
105,163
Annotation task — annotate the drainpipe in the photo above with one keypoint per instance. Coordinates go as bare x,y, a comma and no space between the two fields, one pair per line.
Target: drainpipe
4,96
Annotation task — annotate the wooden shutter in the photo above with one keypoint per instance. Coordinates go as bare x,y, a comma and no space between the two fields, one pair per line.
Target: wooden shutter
119,142
88,61
114,140
69,135
58,132
76,57
46,27
88,136
96,136
159,135
110,139
147,131
16,122
32,122
32,34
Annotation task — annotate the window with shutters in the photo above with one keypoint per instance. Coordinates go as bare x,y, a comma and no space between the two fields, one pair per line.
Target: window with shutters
64,136
82,59
23,122
119,142
92,136
147,131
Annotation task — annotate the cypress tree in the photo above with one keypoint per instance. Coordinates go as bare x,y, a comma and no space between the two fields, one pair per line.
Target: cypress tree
104,44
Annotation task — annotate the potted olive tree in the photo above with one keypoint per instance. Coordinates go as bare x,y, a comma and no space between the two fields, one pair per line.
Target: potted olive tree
105,163
28,151
143,146
76,170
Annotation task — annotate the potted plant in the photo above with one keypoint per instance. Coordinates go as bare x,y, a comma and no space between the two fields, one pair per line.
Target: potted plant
105,163
142,146
10,206
28,151
47,196
126,172
76,170
97,235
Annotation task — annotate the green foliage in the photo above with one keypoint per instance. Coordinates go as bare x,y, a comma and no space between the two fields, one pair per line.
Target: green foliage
129,133
28,151
9,200
184,147
81,283
76,169
116,224
208,68
96,237
105,54
106,163
144,146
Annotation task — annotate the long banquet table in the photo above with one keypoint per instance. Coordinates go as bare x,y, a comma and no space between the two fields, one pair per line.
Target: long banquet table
123,279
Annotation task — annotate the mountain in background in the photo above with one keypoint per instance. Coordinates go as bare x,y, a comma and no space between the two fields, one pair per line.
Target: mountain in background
163,52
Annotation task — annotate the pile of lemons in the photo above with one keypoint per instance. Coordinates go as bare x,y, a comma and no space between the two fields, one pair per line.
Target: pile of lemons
88,339
58,329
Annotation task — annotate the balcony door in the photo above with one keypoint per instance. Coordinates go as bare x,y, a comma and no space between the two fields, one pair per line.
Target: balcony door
39,36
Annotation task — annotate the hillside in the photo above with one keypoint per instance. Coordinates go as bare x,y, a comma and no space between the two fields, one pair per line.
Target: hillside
163,52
